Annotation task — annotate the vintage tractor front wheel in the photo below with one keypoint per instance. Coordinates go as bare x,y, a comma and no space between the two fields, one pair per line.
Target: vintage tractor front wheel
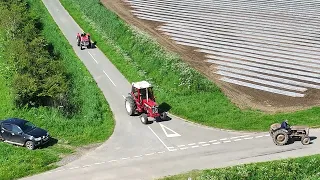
130,105
144,118
280,137
305,140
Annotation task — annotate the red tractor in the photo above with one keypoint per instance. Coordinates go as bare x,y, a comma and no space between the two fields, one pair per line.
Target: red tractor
142,101
83,39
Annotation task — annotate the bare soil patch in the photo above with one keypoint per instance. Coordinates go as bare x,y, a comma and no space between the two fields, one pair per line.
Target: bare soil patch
243,97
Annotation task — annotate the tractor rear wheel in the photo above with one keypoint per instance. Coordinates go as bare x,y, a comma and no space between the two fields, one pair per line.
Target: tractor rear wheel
130,105
144,118
280,137
305,140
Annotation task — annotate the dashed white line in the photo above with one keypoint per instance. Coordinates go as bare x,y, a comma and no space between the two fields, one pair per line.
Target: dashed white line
212,141
93,58
87,165
195,146
248,138
237,140
216,143
149,154
267,135
223,139
74,168
184,148
160,152
259,136
191,144
181,145
173,150
239,137
109,78
125,158
99,163
137,156
205,144
201,142
226,141
112,161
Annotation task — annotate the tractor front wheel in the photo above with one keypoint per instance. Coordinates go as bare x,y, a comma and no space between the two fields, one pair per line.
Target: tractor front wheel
305,140
144,118
130,105
163,116
280,137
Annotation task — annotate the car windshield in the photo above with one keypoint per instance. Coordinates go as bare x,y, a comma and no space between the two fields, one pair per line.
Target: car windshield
27,126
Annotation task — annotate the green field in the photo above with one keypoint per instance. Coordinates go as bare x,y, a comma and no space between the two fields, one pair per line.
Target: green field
68,132
189,93
305,168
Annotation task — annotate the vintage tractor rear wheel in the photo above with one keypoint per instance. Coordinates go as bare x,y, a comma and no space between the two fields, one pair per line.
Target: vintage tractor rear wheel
305,140
280,137
130,105
144,118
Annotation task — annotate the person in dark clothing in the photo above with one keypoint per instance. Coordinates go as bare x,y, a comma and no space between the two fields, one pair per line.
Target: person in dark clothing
285,125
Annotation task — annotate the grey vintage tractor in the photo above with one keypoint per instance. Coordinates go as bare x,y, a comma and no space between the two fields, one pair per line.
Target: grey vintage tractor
281,136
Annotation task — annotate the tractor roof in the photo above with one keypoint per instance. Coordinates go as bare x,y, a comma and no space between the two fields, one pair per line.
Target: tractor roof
141,84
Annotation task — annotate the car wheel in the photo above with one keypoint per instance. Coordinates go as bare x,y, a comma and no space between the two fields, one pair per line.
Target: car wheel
30,145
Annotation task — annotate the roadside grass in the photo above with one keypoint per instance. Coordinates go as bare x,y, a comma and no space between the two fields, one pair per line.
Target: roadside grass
191,95
92,124
304,168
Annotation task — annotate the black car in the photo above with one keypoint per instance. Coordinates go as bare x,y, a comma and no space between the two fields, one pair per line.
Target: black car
22,132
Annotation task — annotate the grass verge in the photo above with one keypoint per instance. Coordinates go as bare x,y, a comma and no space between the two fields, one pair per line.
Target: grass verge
94,114
304,168
191,95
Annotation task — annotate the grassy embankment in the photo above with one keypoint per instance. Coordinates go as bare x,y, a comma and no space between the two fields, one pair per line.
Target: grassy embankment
190,94
93,113
305,168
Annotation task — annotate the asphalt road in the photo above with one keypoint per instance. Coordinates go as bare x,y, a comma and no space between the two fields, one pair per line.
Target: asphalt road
137,151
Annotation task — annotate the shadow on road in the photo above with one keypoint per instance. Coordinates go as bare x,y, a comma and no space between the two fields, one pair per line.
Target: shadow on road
294,139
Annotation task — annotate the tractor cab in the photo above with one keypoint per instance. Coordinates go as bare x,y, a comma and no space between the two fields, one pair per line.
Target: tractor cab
141,100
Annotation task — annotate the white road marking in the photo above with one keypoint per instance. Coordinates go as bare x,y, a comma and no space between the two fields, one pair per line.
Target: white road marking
216,143
160,152
259,136
205,144
239,137
267,135
109,78
212,141
74,168
248,138
223,139
226,141
99,163
195,146
138,156
159,138
87,165
181,145
125,158
175,134
173,150
93,58
184,148
123,96
149,154
237,140
201,142
112,161
191,144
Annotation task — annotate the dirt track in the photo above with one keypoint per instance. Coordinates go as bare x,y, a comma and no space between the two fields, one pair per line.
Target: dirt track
241,96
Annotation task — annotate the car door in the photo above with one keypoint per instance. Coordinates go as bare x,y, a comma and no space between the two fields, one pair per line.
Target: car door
17,135
6,129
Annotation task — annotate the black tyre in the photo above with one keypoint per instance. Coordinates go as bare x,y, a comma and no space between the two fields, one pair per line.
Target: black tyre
280,137
144,118
163,116
130,105
78,41
305,140
81,46
30,145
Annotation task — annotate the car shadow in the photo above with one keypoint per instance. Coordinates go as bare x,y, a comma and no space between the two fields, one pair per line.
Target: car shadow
51,142
294,139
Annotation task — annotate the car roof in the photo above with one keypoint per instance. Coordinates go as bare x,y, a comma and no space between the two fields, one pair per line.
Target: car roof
15,121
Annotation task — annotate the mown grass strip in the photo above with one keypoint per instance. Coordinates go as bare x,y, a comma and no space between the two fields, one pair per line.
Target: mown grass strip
91,124
304,168
190,94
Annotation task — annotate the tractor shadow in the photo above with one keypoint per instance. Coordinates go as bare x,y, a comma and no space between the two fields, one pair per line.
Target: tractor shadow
294,139
93,45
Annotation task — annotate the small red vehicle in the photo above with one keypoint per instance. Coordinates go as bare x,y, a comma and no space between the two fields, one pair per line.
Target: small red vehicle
83,39
142,101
